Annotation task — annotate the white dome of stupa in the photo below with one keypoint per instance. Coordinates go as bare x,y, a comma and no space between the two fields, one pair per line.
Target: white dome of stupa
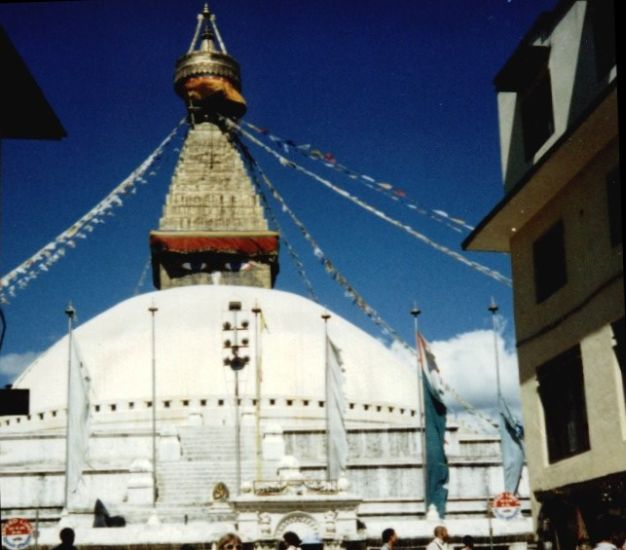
116,350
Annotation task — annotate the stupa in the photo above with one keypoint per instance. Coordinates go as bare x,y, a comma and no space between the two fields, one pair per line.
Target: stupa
173,375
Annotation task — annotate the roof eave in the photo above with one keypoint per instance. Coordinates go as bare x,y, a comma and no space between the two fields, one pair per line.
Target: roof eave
596,128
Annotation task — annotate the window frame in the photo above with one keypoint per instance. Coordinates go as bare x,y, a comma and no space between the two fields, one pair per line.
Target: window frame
618,329
537,112
561,383
614,206
603,23
549,262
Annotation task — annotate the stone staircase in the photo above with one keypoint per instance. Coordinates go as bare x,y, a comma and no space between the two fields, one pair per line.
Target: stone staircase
208,457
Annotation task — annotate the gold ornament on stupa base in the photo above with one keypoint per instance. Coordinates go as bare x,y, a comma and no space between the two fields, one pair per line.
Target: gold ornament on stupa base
206,77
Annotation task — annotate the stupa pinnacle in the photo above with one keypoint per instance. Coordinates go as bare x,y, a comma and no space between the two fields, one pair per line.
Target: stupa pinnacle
206,77
213,230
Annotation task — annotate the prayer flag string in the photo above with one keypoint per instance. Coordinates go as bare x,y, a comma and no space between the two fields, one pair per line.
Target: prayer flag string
389,190
41,261
142,278
349,291
376,212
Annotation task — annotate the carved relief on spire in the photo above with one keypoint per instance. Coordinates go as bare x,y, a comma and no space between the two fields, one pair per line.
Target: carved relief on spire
213,230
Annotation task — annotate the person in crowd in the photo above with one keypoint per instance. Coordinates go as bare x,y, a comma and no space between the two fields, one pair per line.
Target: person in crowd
611,533
468,543
440,542
67,537
230,541
291,540
389,539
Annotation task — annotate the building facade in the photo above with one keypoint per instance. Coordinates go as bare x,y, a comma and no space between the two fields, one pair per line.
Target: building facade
560,220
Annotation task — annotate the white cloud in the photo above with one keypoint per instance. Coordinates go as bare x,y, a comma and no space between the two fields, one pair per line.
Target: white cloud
13,364
467,364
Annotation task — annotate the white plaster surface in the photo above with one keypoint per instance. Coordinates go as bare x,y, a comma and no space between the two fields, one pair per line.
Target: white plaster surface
116,349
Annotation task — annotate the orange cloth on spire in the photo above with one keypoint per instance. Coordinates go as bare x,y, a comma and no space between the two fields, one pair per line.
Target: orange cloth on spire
218,90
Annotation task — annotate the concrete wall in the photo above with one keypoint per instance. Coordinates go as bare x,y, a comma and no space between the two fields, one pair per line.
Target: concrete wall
580,312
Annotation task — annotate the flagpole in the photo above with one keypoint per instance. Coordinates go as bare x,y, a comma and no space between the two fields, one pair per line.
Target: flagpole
421,424
493,308
259,377
153,309
326,316
70,312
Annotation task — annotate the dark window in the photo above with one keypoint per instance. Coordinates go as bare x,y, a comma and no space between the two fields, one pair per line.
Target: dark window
602,14
614,195
562,393
619,347
549,262
537,114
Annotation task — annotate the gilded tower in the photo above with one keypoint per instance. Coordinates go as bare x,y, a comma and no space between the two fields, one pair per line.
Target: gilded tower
213,230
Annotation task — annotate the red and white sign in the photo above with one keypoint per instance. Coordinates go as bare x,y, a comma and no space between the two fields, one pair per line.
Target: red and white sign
506,506
17,533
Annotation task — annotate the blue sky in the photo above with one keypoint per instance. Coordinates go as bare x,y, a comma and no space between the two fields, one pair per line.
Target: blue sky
401,91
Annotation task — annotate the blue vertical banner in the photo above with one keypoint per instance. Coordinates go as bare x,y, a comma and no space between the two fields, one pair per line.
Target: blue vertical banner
512,448
435,410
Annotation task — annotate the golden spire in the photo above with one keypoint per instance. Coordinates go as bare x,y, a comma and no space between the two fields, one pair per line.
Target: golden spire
206,77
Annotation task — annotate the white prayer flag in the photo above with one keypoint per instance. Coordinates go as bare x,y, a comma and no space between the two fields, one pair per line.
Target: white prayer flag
78,421
337,440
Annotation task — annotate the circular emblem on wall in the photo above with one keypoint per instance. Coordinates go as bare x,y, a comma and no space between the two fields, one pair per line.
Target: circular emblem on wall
506,506
17,533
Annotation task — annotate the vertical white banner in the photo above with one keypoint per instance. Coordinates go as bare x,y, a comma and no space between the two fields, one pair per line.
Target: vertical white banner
78,422
336,406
